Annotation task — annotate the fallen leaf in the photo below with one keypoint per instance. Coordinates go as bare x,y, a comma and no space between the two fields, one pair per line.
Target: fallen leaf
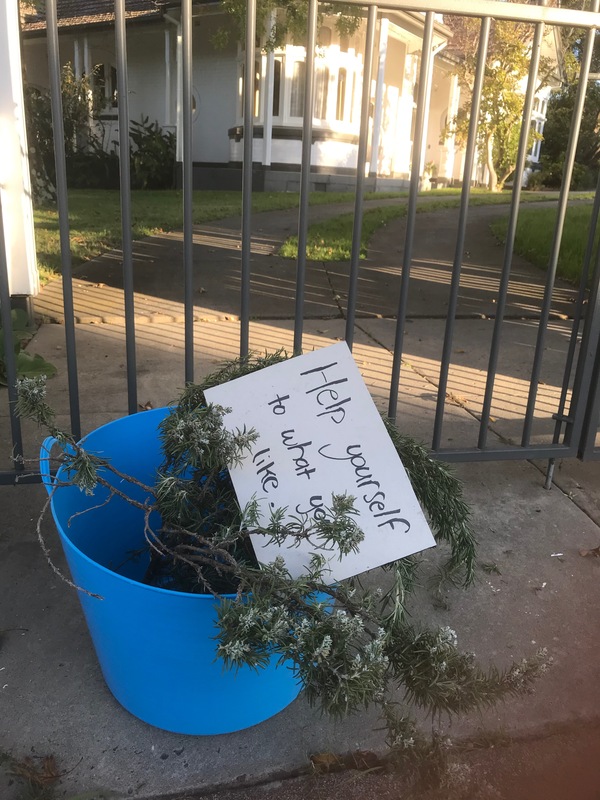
146,407
44,774
593,553
327,762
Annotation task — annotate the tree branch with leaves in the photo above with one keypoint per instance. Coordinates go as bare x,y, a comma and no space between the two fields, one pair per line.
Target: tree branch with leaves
350,645
503,98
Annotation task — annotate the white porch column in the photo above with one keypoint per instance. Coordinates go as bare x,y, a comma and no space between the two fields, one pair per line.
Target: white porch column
427,102
15,186
269,86
428,88
450,143
76,58
167,76
179,131
378,112
268,113
87,56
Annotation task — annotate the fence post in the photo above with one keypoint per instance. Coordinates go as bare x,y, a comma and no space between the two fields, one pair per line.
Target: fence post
15,184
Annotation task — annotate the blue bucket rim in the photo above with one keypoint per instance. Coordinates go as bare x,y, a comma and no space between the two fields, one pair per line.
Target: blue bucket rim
67,541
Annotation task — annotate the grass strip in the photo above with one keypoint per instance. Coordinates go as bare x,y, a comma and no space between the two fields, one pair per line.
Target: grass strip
95,218
535,231
331,239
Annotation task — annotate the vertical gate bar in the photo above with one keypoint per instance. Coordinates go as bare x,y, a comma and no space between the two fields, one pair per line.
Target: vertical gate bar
125,185
587,260
588,355
482,49
361,162
590,428
426,65
583,424
558,229
10,362
510,234
188,219
54,73
305,173
247,174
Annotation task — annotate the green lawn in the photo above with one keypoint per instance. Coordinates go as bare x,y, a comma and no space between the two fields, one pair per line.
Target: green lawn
95,218
331,240
535,231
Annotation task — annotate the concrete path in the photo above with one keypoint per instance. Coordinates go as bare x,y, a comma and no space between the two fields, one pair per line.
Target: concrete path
158,274
542,591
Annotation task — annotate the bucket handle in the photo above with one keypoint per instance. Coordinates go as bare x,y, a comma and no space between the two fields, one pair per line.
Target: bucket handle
45,449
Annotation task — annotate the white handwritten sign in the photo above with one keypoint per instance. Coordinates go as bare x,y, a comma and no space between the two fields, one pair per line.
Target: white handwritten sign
321,434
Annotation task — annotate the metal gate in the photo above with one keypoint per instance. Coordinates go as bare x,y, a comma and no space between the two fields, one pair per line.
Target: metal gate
572,410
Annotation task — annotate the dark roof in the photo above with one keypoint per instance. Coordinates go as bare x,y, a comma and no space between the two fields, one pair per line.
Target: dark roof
75,13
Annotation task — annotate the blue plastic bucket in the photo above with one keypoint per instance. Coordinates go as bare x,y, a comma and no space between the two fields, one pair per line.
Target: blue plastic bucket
156,647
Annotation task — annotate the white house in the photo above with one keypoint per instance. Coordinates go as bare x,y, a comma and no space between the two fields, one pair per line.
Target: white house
86,36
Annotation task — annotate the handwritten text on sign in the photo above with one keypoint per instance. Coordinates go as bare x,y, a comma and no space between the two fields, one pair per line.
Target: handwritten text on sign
321,434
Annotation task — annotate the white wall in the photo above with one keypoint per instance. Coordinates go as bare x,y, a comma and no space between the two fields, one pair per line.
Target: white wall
289,151
215,76
15,187
439,113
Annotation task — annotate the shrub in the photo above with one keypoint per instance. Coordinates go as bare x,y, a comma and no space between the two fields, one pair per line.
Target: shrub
551,176
152,156
89,166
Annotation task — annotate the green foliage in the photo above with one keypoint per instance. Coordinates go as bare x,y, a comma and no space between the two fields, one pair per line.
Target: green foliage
27,364
440,492
558,125
556,134
290,20
152,156
79,100
534,240
93,167
502,99
350,646
89,165
551,175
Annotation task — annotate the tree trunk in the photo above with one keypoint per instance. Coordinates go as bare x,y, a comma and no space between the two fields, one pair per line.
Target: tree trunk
506,176
489,162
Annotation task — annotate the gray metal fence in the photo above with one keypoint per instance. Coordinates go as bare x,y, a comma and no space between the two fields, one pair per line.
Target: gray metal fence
577,411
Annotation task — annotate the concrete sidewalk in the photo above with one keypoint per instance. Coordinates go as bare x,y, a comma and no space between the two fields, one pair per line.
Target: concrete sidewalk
541,591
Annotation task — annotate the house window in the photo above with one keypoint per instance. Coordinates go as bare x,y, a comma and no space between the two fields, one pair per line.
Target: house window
277,66
321,91
104,81
341,94
537,128
297,93
325,37
320,94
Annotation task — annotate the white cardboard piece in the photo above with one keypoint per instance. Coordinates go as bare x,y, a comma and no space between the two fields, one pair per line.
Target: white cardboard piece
321,434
